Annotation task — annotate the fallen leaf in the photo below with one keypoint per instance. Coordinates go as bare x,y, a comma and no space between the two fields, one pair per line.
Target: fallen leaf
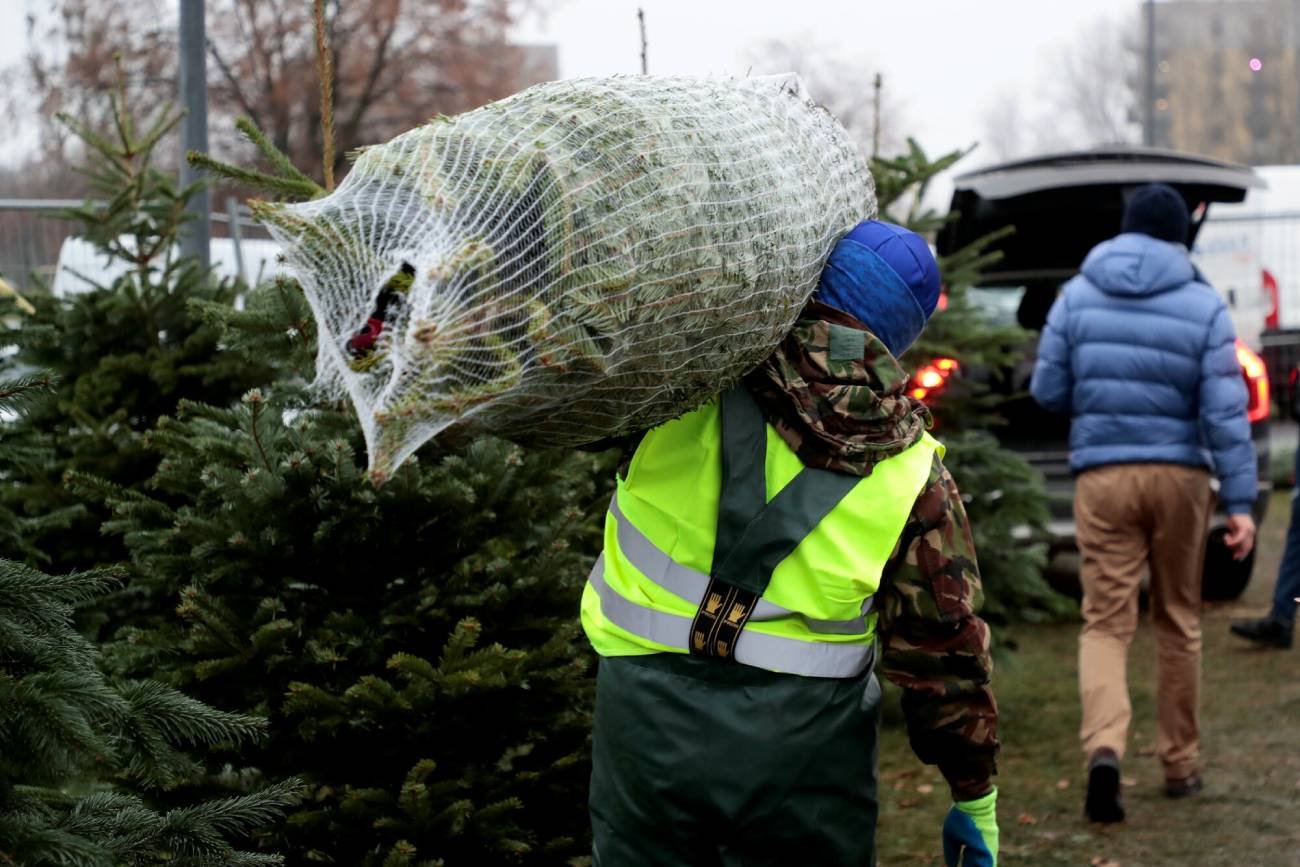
1062,784
1099,861
908,803
1027,819
925,788
898,787
1128,781
1146,751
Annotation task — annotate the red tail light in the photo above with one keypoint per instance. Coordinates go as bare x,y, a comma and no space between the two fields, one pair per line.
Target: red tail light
931,378
1269,284
1256,375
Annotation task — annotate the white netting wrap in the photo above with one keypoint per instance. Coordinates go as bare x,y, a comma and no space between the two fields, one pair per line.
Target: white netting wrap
584,259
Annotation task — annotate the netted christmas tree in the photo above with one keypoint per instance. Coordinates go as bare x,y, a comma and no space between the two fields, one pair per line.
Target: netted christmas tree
585,259
78,750
121,341
1005,497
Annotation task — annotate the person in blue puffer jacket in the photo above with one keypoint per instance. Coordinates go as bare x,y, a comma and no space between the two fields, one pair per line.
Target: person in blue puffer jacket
1141,352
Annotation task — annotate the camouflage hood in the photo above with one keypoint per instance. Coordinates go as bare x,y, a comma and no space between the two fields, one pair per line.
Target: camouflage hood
836,395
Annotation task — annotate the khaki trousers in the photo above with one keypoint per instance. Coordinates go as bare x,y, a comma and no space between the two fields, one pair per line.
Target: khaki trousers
1129,517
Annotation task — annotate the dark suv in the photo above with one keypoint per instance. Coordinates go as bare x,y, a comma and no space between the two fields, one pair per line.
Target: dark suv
1061,207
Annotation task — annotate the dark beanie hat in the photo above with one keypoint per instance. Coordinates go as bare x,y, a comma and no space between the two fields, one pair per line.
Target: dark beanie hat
885,277
1159,211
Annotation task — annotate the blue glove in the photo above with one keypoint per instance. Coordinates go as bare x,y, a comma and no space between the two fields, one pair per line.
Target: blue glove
970,833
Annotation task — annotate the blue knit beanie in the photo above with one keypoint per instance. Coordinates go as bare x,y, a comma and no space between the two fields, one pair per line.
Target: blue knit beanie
885,277
1159,211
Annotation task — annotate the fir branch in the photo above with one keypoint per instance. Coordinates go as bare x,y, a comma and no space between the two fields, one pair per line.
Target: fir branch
20,585
278,159
16,394
29,834
100,490
121,109
271,183
255,402
94,140
167,121
49,713
183,720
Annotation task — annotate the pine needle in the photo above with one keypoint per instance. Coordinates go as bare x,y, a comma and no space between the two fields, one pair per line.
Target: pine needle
280,161
303,189
15,393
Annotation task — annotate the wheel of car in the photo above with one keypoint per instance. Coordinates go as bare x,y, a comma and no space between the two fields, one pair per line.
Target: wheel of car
1225,578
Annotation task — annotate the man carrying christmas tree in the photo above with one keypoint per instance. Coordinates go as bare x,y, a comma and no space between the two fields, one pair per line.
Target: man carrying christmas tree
759,552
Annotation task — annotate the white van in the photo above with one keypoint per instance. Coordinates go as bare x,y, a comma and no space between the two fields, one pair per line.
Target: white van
1228,256
1264,231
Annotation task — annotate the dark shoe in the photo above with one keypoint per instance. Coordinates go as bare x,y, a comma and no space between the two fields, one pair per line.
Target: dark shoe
1103,802
1184,788
1265,631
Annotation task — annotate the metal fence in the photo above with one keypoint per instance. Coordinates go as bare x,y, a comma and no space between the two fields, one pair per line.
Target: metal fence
37,246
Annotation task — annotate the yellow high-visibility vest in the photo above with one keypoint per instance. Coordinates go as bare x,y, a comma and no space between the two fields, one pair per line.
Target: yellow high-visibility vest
814,614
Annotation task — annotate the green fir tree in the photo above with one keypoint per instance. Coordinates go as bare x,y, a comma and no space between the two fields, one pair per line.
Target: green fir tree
1006,499
415,646
124,352
77,749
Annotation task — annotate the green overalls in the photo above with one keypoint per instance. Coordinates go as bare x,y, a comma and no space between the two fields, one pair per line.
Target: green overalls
722,548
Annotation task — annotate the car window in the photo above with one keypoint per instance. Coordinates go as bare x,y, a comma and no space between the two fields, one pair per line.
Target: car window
1024,305
999,303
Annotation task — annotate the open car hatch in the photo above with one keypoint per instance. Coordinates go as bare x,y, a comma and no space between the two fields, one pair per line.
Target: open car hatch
1063,205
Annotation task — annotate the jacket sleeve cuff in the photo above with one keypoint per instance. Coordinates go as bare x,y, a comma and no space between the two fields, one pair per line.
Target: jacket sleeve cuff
970,777
1245,507
970,790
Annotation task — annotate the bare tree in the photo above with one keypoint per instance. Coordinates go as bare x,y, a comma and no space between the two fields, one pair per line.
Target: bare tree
844,85
397,62
1086,98
76,50
1093,85
1002,132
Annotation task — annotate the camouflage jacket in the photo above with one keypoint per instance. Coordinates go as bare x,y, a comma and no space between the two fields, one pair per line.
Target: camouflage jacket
848,411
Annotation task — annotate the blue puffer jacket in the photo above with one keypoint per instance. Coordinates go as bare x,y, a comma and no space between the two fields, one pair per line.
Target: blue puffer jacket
1141,353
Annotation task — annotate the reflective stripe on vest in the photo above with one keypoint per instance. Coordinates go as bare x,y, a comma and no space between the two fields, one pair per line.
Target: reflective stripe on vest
663,542
690,583
772,652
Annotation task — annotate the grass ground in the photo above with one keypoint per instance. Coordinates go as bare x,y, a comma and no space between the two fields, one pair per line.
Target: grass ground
1248,815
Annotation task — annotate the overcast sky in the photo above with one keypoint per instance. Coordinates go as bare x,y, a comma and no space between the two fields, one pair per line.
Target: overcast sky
944,61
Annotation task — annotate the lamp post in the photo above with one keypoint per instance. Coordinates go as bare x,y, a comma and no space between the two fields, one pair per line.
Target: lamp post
194,127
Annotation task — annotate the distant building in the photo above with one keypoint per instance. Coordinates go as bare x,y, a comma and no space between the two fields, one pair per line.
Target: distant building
1228,79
